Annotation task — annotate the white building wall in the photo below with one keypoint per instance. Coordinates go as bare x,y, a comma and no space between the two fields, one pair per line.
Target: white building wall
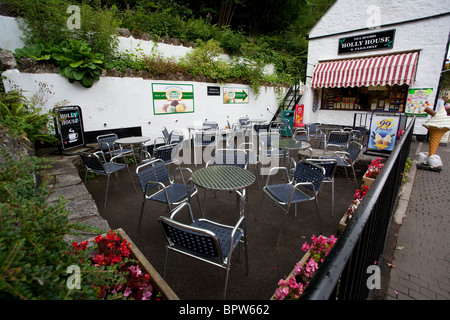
116,102
428,36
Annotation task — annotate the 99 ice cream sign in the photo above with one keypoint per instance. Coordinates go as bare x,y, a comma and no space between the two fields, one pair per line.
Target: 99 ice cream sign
371,41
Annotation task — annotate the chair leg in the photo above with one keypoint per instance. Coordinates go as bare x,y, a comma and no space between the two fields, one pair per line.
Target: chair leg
142,211
354,175
332,198
165,262
131,178
318,214
107,188
281,229
226,281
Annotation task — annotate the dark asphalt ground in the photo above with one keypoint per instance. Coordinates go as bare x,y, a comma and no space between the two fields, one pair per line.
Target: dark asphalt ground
195,280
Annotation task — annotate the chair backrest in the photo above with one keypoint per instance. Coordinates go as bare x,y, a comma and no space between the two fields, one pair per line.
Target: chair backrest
212,124
309,172
106,141
353,149
165,153
266,138
338,137
243,121
154,170
92,161
312,128
329,165
232,157
261,127
204,137
194,240
166,134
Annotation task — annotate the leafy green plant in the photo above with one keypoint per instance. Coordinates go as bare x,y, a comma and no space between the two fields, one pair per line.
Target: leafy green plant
74,58
20,118
78,63
33,253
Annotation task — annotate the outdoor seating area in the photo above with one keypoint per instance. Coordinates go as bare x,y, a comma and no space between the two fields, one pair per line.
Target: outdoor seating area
271,211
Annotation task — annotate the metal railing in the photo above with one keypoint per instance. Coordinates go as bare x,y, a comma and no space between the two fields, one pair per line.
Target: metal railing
344,273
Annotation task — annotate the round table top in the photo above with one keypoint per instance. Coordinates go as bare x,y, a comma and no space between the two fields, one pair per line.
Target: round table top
290,144
132,140
223,177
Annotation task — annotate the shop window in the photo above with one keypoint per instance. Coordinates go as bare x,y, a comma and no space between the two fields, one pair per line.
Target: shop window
365,98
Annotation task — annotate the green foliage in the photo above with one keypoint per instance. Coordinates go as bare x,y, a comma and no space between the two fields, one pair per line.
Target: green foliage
46,20
77,62
33,254
20,118
74,58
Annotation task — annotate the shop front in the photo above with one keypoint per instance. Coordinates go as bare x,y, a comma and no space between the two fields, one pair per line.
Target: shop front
366,83
355,68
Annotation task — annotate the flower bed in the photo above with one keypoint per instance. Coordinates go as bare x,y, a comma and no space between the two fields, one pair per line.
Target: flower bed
358,196
299,278
373,169
136,279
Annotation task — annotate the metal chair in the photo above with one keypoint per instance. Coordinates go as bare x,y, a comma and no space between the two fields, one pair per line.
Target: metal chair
347,158
314,132
300,134
330,166
304,186
96,163
253,157
166,153
265,144
107,144
203,138
155,174
204,240
357,134
338,139
175,136
231,157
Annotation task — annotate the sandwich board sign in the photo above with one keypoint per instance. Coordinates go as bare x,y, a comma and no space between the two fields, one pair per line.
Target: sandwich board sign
384,126
69,126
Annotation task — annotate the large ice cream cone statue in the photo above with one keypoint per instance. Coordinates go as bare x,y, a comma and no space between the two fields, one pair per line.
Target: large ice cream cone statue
436,135
437,126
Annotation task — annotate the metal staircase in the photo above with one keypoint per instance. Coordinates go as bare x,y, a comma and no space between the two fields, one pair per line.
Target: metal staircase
291,98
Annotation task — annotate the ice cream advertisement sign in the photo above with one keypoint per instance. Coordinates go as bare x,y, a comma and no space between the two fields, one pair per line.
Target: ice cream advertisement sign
172,98
383,132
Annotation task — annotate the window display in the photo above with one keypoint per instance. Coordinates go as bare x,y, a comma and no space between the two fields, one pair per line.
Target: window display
365,98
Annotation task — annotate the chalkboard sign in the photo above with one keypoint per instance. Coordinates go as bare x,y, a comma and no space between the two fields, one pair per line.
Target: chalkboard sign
69,126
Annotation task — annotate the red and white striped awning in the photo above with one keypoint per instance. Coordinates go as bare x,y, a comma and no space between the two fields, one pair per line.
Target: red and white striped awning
367,71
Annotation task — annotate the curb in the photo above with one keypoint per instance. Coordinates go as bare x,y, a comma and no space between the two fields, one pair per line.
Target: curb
406,189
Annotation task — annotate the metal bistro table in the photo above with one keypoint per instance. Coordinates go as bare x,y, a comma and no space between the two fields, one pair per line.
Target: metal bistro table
223,178
140,140
291,144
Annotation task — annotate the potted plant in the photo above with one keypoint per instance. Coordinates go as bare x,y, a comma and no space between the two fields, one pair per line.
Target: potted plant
299,278
358,196
135,279
373,169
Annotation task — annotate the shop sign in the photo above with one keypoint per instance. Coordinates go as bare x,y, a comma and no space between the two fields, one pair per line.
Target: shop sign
213,91
69,126
383,131
172,98
298,116
417,101
371,41
235,95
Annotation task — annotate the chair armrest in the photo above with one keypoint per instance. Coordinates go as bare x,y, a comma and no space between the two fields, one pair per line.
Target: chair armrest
306,184
179,208
277,168
181,169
